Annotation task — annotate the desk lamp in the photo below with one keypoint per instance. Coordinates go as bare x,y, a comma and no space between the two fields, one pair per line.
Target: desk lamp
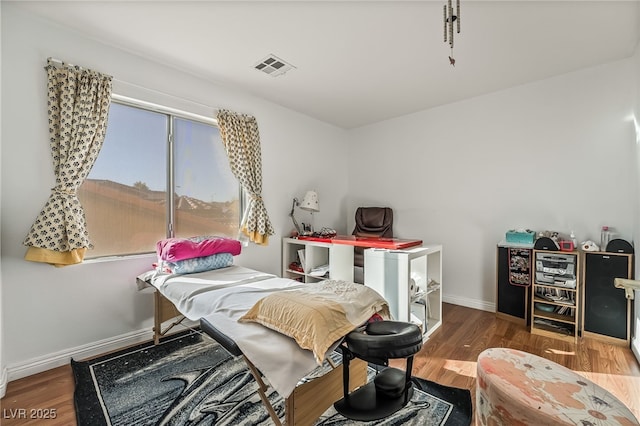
309,203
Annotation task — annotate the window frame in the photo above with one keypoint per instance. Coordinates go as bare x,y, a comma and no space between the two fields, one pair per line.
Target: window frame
171,113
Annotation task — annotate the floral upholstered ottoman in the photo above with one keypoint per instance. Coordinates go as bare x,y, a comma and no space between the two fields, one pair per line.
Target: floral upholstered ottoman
519,388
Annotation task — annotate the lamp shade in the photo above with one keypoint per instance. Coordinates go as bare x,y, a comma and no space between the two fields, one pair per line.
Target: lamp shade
310,202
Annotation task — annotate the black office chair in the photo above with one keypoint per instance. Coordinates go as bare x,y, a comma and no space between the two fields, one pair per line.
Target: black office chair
392,388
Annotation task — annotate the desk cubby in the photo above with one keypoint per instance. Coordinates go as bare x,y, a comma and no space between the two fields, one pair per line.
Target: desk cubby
411,281
338,258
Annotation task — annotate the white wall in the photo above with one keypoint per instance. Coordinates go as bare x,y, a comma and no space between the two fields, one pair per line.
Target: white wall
555,154
635,323
3,370
53,312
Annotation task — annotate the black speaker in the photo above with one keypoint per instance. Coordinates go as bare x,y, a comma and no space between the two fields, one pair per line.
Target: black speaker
545,243
606,307
619,246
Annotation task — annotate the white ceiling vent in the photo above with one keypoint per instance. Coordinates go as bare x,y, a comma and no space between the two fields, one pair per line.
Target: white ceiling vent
273,66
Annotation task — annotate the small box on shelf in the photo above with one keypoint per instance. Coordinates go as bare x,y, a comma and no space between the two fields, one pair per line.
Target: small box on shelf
520,236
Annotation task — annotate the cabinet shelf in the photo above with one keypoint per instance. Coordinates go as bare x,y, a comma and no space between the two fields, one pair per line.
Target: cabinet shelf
548,289
538,299
293,274
549,330
431,289
569,319
558,286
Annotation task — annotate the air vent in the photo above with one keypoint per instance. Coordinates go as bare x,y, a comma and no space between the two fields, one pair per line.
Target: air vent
273,66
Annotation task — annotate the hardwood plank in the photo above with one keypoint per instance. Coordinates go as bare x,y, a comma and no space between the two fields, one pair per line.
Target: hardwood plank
42,399
448,357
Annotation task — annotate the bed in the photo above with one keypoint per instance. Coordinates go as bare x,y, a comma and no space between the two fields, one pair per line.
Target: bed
218,299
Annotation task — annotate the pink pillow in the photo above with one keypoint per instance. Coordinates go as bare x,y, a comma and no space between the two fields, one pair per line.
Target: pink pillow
175,249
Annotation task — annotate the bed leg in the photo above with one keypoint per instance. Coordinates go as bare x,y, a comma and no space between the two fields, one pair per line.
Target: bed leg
157,317
262,387
164,310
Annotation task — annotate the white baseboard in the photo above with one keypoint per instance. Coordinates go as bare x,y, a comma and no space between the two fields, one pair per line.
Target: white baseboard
470,303
3,382
57,359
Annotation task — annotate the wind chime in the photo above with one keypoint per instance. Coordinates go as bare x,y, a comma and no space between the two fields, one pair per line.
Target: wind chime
449,19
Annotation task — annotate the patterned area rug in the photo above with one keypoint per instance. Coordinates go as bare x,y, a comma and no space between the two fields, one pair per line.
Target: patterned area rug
189,379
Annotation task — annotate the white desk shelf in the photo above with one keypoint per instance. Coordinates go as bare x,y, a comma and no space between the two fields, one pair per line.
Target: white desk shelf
316,253
411,281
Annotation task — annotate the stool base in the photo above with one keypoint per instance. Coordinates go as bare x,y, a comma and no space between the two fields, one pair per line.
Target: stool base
365,405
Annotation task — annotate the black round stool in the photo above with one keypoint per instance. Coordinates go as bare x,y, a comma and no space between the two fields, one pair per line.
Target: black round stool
392,388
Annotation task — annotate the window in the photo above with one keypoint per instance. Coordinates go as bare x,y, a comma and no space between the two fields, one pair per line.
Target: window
159,174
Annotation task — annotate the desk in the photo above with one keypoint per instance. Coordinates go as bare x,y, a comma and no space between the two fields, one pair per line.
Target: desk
335,253
368,242
391,266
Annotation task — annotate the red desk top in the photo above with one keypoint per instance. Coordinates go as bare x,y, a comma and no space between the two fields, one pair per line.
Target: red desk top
375,242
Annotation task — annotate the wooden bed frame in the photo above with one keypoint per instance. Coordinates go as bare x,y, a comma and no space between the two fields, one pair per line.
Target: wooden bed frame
164,311
307,401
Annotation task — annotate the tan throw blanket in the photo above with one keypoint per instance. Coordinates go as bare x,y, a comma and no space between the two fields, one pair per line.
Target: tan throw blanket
319,314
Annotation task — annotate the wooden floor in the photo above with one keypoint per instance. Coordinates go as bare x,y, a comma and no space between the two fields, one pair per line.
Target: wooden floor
449,358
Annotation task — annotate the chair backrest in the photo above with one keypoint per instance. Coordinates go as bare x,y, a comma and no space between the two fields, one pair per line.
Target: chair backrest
374,221
371,222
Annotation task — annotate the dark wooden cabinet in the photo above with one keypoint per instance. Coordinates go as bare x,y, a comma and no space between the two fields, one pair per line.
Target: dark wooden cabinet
513,283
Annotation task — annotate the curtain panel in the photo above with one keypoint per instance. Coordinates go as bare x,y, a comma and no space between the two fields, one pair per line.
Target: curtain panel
78,106
241,140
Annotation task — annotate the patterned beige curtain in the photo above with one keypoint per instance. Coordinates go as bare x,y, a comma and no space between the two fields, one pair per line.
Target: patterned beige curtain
78,104
242,142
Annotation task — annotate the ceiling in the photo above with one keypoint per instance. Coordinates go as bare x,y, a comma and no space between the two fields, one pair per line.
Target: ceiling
360,62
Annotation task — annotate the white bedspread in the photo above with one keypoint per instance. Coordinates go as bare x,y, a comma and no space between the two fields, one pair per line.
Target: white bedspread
222,297
183,290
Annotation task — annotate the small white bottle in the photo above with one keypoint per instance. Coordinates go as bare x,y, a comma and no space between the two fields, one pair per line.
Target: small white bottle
572,236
